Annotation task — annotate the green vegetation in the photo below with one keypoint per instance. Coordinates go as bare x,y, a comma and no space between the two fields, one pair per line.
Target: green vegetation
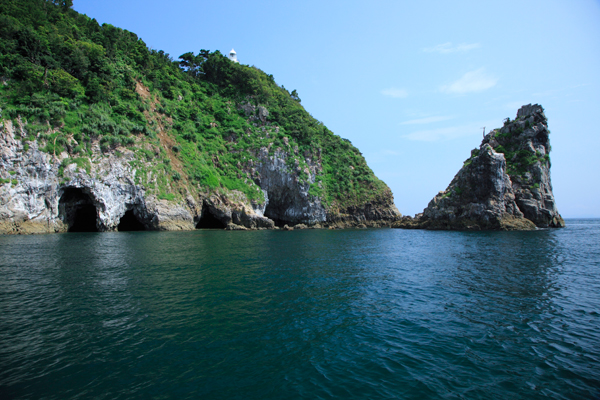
474,153
81,162
75,84
518,160
166,196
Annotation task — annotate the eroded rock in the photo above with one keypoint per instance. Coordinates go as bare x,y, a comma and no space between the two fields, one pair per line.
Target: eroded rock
287,198
526,144
504,185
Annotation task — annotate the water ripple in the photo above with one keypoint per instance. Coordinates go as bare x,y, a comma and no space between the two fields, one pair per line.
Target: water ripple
303,314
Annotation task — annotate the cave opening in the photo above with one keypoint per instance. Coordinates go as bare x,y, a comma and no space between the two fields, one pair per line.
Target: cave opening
278,221
130,223
209,221
78,211
276,208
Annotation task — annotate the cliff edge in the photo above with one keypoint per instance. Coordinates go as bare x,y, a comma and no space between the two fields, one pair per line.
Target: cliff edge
504,185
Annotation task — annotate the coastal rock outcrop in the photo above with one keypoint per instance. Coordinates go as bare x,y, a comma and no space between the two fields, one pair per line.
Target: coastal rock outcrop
43,193
479,197
504,185
525,143
380,212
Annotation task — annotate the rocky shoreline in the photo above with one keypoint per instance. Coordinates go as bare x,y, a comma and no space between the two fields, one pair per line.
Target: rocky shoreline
43,193
504,185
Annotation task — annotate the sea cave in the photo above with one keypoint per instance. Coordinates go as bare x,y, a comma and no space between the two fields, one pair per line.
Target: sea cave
78,211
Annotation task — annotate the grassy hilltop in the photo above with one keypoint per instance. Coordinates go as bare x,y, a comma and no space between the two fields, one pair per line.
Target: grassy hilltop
195,123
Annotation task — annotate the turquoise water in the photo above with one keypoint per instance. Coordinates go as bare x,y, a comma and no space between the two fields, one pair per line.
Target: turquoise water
365,314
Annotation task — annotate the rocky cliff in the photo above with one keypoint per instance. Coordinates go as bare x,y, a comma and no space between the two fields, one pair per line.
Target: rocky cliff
504,185
42,193
99,132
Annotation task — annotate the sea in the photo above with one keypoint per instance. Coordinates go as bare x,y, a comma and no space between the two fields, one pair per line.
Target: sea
305,314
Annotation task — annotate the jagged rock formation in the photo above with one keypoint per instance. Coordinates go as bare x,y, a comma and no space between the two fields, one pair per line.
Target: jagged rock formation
479,197
526,145
504,185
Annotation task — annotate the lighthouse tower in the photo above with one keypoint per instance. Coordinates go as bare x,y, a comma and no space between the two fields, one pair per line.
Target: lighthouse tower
233,56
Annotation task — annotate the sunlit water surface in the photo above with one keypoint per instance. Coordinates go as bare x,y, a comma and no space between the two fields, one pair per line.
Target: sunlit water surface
353,314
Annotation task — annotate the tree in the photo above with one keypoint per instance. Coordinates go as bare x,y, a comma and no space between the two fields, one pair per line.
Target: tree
294,96
193,64
218,69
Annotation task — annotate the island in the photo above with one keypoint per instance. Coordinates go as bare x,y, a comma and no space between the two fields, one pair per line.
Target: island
504,184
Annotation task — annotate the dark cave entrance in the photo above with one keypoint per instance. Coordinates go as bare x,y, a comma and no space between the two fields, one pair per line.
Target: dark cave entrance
278,221
130,223
276,209
78,211
209,221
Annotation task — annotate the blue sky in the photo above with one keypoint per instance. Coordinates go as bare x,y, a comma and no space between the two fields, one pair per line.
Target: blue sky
411,84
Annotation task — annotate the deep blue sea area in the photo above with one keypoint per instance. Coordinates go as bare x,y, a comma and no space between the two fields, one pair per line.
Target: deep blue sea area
311,314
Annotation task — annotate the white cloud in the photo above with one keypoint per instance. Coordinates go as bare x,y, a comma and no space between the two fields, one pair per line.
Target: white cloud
395,92
427,120
446,48
473,81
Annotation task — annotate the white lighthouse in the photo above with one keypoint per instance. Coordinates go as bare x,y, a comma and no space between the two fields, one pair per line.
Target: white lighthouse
233,56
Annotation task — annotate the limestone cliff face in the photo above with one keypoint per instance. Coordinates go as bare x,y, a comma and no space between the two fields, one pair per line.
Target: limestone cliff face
504,185
42,197
42,193
286,195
